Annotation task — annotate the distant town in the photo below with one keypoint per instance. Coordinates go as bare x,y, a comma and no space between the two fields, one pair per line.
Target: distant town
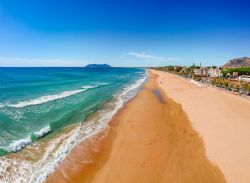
234,76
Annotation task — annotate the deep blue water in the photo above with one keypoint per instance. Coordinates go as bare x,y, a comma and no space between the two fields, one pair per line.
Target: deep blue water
37,101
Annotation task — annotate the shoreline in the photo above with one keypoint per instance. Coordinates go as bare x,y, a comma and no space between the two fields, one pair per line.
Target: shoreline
153,143
42,162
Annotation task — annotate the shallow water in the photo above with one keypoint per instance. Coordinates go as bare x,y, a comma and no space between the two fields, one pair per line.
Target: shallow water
43,114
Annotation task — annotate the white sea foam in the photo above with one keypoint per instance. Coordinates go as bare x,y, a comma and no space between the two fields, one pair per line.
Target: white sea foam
44,131
45,99
89,87
94,86
102,84
60,147
18,144
49,98
1,105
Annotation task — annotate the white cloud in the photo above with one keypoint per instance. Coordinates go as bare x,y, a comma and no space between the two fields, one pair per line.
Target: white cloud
33,62
144,55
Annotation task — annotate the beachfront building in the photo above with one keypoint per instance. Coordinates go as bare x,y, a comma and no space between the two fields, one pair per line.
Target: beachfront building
233,75
245,78
196,71
202,71
214,72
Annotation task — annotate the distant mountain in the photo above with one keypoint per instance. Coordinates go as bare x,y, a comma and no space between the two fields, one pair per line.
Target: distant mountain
98,66
238,62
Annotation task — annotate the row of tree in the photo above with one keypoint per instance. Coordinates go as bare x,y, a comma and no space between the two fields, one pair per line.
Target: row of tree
239,71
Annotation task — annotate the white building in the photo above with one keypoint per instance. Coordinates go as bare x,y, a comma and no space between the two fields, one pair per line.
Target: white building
244,78
203,71
214,72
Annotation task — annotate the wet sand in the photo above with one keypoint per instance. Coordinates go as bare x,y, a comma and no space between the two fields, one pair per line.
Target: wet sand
150,140
222,120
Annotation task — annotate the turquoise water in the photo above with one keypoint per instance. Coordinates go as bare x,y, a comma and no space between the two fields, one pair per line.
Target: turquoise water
35,102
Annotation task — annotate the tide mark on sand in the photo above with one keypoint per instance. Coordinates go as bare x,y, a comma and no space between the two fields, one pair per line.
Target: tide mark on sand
157,94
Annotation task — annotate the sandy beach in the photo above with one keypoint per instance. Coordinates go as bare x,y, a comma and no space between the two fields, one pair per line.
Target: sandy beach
150,140
220,118
128,91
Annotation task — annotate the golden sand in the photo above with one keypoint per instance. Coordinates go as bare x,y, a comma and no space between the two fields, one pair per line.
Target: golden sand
149,140
222,120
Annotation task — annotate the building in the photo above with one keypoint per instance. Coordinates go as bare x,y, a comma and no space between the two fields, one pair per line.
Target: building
203,71
245,78
196,71
214,72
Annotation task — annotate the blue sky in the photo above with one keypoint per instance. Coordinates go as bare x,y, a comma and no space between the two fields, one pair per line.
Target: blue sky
122,33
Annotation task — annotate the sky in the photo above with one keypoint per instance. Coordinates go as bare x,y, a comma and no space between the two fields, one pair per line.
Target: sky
124,33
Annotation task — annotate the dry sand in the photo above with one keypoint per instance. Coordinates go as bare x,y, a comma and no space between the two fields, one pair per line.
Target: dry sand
222,119
149,141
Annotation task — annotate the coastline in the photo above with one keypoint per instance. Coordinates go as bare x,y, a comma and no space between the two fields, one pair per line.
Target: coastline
153,143
41,157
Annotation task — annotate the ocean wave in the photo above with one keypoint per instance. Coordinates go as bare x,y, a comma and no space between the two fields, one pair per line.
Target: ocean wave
49,98
60,147
102,84
44,131
94,86
17,145
89,87
45,99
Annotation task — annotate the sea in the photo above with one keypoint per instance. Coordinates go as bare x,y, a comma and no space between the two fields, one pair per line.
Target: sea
45,112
